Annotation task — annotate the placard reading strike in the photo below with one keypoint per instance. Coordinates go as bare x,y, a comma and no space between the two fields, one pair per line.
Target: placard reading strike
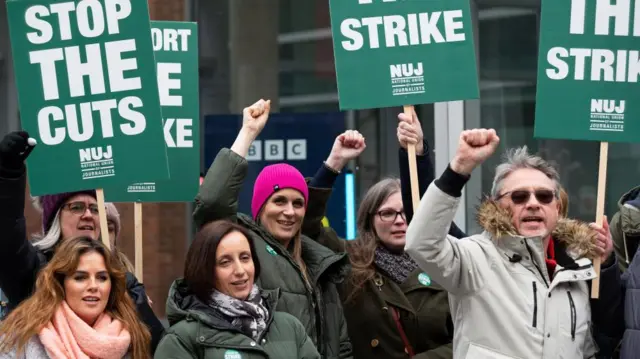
176,53
398,52
87,92
589,53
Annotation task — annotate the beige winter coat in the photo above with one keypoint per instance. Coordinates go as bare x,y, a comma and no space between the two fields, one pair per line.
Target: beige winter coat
503,307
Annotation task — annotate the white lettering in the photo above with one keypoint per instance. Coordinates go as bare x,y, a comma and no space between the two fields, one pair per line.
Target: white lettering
97,18
602,62
166,83
64,22
372,24
138,122
73,125
44,30
605,65
44,126
429,29
78,70
394,26
117,65
561,68
80,126
183,131
116,10
576,20
451,25
104,108
619,11
170,39
47,61
347,30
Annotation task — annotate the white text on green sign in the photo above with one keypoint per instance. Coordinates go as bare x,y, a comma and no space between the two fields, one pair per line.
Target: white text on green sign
398,30
177,131
92,19
622,65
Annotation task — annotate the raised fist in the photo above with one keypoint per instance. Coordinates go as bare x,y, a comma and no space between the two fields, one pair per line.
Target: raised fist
347,146
13,150
410,132
474,147
255,116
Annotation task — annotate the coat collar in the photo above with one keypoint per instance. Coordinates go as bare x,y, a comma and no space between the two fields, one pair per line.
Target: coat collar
573,239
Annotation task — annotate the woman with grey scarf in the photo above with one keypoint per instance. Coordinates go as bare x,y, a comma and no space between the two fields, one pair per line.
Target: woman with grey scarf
222,313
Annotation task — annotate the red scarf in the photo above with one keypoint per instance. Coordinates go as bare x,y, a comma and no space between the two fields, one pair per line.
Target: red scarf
551,258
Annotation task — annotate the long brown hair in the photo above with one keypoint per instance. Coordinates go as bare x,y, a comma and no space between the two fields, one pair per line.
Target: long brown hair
362,250
34,313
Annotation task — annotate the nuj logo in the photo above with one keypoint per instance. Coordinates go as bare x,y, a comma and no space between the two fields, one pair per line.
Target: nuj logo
95,154
607,107
406,70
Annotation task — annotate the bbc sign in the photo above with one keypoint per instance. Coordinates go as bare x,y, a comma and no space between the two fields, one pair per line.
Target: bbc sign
278,150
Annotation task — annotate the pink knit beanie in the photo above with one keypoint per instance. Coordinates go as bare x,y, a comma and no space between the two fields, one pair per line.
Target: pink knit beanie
273,178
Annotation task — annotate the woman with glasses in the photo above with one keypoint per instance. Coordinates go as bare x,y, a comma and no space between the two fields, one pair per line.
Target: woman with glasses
393,309
64,216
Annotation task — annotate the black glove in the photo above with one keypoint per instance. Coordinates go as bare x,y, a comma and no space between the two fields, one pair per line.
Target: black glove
12,150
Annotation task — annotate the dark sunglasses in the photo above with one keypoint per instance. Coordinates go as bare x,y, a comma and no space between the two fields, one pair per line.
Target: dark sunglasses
390,215
544,196
81,207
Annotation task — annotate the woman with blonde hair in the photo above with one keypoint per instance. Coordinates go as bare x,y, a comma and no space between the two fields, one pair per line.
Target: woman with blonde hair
64,216
79,310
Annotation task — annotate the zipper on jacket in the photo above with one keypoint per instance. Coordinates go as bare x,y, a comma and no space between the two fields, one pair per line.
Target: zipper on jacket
573,316
536,265
535,305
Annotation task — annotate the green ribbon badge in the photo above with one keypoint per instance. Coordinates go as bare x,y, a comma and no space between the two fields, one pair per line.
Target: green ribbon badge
232,354
271,251
424,279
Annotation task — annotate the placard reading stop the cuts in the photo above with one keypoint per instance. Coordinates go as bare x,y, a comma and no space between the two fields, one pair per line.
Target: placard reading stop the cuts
589,53
403,52
176,52
88,92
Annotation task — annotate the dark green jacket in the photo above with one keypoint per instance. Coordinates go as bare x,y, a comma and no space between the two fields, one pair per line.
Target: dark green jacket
625,228
318,308
198,331
422,304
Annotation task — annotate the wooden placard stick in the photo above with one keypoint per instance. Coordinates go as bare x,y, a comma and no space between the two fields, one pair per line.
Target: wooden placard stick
602,185
102,214
137,218
413,164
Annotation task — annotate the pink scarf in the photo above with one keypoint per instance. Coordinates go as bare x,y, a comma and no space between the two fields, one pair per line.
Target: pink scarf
67,336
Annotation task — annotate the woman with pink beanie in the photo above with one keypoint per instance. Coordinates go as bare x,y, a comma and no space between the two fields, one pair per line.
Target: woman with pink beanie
306,272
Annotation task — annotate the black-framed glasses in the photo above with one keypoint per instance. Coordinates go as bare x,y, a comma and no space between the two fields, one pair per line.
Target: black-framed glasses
81,207
521,196
390,215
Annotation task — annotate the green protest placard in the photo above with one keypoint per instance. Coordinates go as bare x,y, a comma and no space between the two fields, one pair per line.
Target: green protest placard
403,52
588,70
176,52
88,92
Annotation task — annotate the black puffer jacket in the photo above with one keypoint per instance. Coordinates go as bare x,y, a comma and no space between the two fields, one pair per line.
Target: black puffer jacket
20,261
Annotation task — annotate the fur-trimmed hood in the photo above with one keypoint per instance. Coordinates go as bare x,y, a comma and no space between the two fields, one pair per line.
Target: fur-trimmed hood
577,237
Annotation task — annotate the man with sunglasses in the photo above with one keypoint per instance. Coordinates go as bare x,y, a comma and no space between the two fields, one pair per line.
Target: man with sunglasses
520,289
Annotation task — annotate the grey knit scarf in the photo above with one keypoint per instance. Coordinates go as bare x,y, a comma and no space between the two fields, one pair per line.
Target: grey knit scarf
396,266
249,316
